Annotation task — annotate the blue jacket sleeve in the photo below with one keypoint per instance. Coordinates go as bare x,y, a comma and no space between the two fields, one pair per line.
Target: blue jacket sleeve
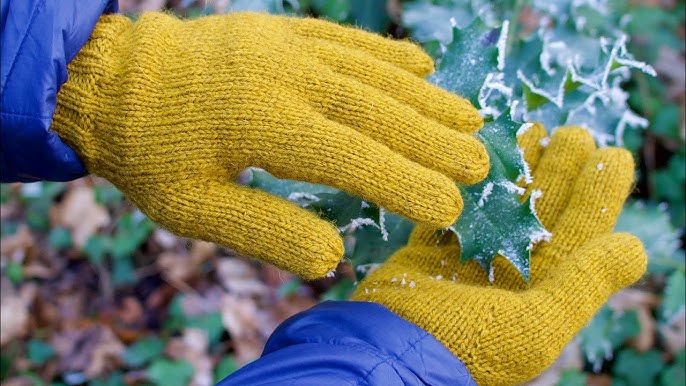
39,38
351,343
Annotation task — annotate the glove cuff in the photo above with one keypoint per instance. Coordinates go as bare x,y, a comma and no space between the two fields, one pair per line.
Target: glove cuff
84,100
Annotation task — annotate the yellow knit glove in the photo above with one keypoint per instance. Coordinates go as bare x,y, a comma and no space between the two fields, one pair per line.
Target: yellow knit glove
170,111
508,332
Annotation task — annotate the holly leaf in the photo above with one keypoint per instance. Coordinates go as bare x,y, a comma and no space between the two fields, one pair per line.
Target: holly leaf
373,247
468,59
494,220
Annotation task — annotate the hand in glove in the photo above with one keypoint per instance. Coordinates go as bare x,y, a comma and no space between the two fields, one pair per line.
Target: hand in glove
170,111
508,332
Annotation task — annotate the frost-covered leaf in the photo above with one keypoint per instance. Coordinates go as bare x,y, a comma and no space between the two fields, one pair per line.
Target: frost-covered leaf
300,193
606,332
650,223
372,247
431,22
495,221
468,59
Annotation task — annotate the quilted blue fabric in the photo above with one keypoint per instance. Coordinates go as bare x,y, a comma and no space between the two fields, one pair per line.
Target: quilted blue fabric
39,38
351,343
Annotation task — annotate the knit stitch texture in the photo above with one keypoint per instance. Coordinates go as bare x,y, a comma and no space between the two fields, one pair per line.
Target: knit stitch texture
171,110
507,332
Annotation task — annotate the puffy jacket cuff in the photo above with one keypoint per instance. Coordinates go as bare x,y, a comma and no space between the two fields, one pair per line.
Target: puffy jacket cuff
352,343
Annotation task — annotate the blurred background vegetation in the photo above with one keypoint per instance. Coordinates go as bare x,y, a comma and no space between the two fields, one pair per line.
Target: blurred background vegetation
93,293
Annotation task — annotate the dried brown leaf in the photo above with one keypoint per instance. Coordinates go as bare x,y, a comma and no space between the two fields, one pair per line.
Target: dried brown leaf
193,348
92,350
673,335
80,213
14,313
19,246
239,277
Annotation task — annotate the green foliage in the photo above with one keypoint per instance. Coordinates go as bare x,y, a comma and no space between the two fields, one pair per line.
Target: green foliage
340,291
675,374
650,223
210,322
114,379
226,366
143,351
39,352
14,271
59,238
673,300
165,372
572,377
38,198
371,234
650,363
607,332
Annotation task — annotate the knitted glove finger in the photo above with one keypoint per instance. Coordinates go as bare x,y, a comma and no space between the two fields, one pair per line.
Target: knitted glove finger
363,167
247,220
381,117
407,88
402,54
557,170
596,199
532,142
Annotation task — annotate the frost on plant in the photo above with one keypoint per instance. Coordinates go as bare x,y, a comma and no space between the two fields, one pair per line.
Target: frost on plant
568,71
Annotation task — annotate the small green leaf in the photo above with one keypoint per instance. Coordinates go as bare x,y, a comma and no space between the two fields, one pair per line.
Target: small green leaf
638,369
96,247
39,352
15,272
674,296
123,272
339,291
165,372
290,287
143,351
675,375
114,379
572,377
108,195
224,368
211,323
132,231
59,238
